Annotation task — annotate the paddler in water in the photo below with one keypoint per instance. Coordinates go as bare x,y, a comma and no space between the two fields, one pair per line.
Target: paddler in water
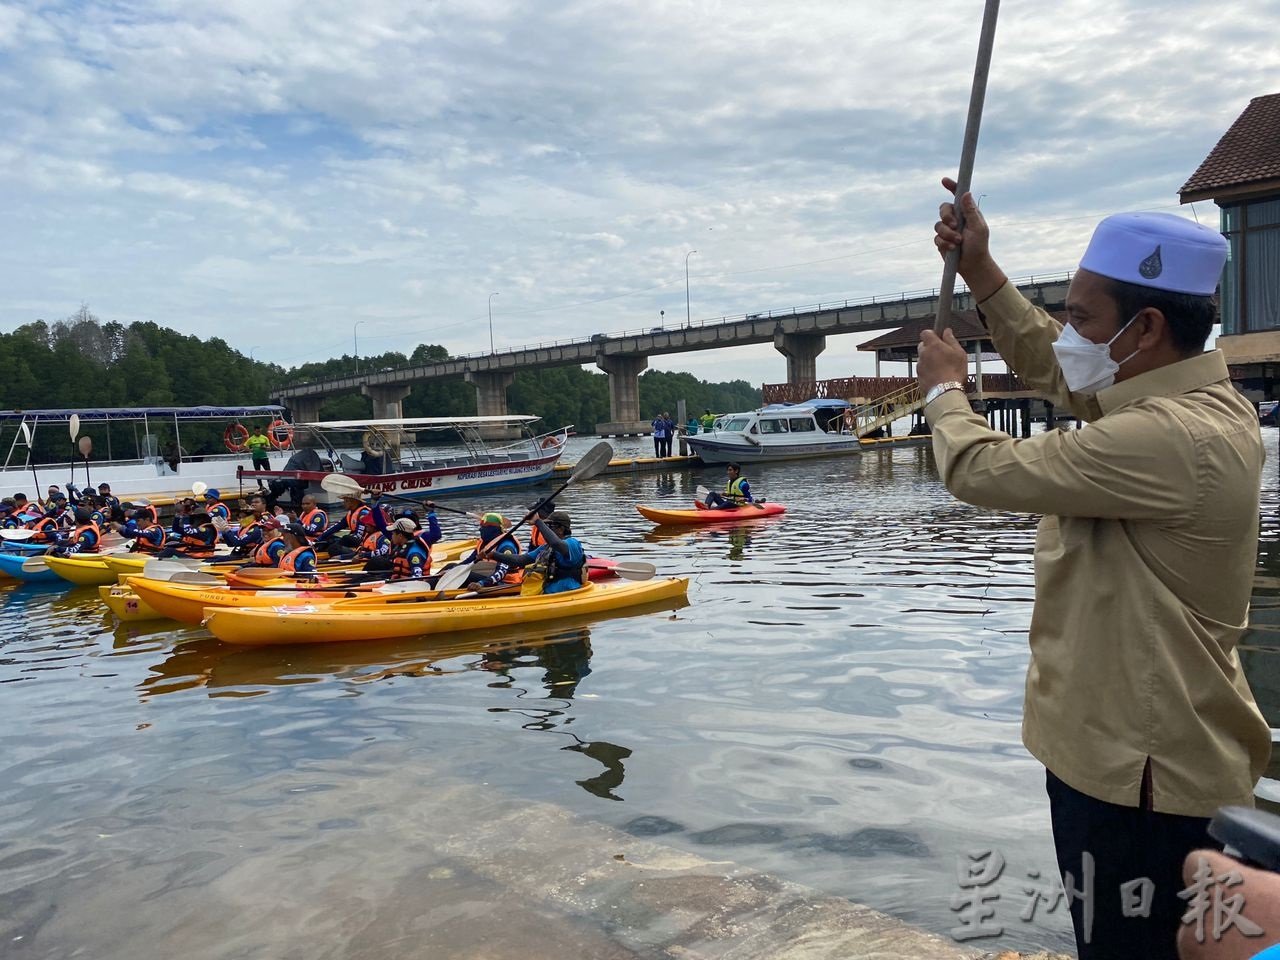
736,491
561,562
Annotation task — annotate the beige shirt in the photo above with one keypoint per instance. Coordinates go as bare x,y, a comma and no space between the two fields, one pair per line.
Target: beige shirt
1145,559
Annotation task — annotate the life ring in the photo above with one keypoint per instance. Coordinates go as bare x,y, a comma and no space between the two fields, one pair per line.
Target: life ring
549,442
234,437
373,443
281,435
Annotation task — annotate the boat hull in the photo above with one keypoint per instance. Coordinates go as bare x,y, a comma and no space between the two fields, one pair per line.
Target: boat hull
341,621
12,564
748,512
126,606
84,571
735,448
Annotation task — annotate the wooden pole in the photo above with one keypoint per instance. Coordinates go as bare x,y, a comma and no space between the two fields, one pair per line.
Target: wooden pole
970,147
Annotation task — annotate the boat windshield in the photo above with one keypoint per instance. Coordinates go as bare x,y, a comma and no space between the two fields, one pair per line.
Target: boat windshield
737,423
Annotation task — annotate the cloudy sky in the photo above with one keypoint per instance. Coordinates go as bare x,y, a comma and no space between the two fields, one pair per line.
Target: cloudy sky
274,171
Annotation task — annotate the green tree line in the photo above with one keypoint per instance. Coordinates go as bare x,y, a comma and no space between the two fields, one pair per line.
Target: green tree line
83,362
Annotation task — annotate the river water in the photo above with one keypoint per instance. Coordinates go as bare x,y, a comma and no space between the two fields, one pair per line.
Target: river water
839,705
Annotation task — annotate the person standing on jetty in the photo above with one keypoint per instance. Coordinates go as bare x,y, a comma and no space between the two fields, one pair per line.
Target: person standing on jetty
1135,699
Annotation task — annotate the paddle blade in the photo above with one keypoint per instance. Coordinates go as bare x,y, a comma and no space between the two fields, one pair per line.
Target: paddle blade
199,487
597,459
86,446
633,570
194,576
74,423
454,577
336,483
17,534
702,492
26,436
34,565
164,569
400,587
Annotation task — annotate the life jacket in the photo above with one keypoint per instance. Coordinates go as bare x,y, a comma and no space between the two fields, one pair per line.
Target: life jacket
402,563
44,528
97,518
152,512
491,550
420,538
536,539
92,545
146,543
558,569
314,520
264,556
359,519
195,542
289,562
375,544
733,490
216,508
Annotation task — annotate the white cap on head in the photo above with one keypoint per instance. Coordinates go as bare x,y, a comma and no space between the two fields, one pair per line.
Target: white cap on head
405,525
1159,250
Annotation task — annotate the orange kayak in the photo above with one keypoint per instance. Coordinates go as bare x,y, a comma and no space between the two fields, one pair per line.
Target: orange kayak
749,511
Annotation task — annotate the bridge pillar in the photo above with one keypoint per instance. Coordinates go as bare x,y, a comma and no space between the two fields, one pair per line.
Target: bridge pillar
305,409
387,401
801,351
491,401
624,396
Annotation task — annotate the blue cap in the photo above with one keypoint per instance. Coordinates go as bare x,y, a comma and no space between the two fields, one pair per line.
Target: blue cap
211,494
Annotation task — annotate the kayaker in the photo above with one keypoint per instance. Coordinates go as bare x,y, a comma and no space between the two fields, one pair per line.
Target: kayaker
193,533
736,491
53,493
249,537
99,516
410,560
375,549
312,518
147,534
110,505
8,515
301,557
562,562
272,548
429,535
492,540
259,446
544,509
350,531
84,539
214,506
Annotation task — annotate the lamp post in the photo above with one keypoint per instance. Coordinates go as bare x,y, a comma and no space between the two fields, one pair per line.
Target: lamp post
491,296
355,343
688,321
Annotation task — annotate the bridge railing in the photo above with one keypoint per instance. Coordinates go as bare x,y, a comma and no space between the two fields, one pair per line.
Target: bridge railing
864,389
777,314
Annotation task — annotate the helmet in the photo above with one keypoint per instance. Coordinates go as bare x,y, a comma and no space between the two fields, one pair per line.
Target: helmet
211,494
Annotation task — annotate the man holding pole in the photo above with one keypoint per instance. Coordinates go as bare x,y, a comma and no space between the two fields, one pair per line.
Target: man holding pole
1135,699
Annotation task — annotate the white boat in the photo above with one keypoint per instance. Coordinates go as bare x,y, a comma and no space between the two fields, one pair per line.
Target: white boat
389,461
778,432
149,451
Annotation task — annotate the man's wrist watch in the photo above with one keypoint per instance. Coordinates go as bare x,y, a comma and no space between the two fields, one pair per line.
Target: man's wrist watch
937,391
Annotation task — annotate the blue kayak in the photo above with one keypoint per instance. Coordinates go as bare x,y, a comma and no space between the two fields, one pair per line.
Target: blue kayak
11,564
25,547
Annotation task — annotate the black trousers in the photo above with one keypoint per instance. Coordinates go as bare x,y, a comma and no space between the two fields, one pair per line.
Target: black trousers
1125,844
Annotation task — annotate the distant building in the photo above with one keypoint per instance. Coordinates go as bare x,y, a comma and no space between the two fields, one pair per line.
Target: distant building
1242,176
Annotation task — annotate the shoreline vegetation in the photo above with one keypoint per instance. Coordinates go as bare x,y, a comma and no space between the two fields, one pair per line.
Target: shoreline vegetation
82,362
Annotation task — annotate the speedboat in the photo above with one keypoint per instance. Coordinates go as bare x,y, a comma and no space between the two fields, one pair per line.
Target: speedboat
778,432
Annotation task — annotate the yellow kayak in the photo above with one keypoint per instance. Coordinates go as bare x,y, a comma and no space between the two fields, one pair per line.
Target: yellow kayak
86,569
330,623
126,605
188,602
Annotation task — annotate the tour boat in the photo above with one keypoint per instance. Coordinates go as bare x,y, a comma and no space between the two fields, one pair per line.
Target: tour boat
778,432
139,451
389,462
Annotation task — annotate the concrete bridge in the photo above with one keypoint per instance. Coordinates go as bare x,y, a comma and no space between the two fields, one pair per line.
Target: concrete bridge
799,334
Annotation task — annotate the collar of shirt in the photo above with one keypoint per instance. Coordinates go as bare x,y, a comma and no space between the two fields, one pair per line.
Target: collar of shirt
1171,380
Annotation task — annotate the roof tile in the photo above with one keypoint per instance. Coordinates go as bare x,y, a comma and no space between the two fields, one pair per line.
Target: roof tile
1249,152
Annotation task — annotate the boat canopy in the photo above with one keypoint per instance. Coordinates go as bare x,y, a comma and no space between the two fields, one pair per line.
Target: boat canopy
441,423
139,413
817,403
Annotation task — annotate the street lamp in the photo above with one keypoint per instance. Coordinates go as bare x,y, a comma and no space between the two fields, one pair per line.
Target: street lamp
355,343
491,296
688,322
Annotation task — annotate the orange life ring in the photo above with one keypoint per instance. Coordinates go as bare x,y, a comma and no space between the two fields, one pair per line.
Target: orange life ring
549,442
234,437
280,434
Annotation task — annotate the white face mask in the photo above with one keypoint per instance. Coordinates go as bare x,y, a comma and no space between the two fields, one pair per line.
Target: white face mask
1087,366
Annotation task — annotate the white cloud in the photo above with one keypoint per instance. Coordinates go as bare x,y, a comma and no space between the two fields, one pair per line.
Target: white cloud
266,169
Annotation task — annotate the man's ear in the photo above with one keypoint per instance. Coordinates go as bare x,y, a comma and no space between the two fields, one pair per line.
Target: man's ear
1152,327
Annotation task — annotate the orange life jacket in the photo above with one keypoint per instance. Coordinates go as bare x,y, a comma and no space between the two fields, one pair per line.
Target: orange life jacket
196,545
44,528
85,528
310,515
536,539
144,543
262,556
490,551
289,561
